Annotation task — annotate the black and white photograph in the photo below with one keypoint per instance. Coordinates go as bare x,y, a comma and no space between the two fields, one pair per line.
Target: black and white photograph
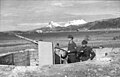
59,38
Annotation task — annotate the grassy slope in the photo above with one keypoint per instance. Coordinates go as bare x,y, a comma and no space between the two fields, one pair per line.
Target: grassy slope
101,24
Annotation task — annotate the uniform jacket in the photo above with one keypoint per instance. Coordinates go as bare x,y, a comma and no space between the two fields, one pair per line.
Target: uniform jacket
86,53
72,47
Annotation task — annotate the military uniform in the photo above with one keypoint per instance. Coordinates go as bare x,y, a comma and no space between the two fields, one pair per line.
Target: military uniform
72,47
85,53
72,50
72,54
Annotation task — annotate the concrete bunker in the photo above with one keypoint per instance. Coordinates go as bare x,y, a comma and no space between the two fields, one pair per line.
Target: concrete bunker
19,58
30,57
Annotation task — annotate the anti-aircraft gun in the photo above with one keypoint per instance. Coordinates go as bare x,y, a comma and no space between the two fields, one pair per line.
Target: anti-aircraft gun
63,55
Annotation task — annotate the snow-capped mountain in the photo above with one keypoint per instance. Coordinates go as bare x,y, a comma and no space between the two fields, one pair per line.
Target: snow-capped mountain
75,22
53,24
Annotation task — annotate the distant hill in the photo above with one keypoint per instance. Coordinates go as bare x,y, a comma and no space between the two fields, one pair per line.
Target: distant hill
101,24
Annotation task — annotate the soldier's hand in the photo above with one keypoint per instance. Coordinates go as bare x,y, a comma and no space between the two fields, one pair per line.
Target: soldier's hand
81,51
68,51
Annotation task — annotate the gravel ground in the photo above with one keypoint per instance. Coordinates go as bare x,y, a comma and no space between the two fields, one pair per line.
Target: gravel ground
95,68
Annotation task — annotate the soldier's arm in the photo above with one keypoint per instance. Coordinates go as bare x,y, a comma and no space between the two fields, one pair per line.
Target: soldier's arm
74,44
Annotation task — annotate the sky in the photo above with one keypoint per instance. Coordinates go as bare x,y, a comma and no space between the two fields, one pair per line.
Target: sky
31,14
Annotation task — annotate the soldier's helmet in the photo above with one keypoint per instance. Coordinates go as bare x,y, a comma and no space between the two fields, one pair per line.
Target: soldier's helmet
70,36
84,42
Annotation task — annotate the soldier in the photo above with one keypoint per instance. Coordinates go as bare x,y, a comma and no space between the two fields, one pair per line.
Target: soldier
85,52
71,50
57,51
57,54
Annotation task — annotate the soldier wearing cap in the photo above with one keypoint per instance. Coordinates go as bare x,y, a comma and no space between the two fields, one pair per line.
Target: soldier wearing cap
71,50
85,52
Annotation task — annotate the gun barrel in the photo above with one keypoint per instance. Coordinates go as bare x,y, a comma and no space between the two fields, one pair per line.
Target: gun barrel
31,40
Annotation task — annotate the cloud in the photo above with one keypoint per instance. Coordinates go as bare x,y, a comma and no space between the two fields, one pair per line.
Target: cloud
8,14
88,2
7,28
117,14
62,4
57,4
92,13
30,26
31,14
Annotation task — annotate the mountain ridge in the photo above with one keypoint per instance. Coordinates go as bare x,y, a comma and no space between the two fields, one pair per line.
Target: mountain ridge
112,23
